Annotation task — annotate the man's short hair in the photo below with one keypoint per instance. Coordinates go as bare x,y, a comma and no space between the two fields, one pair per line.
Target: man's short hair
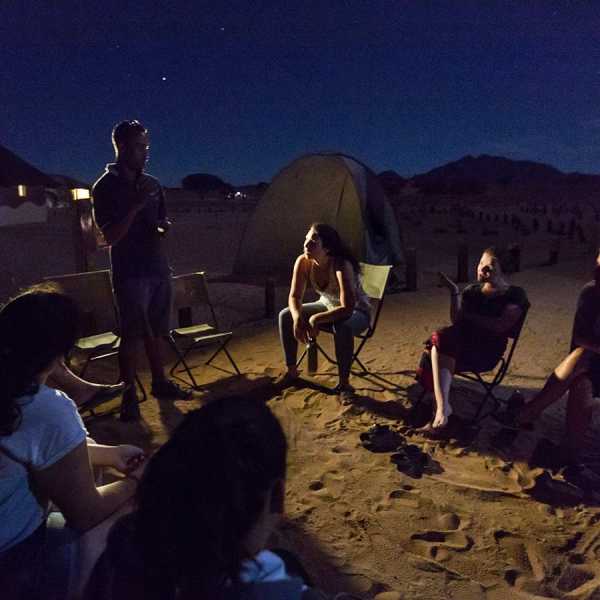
125,129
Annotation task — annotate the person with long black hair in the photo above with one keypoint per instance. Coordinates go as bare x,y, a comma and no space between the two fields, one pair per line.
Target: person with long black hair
330,268
207,504
45,455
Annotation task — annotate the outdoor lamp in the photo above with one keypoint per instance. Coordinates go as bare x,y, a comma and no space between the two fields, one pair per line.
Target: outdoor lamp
80,194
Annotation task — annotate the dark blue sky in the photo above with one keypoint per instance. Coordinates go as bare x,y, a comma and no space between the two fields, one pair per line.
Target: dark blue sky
239,89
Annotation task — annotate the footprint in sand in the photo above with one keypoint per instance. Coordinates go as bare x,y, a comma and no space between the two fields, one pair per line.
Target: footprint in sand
329,487
525,558
437,544
406,496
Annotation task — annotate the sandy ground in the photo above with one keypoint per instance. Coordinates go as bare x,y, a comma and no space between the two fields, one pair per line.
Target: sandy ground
481,522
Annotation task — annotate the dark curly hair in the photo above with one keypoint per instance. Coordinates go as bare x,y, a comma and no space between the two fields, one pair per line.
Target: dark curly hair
36,327
336,248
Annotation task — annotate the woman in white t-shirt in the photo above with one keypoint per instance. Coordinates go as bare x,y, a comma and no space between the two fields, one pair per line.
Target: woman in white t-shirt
45,455
328,266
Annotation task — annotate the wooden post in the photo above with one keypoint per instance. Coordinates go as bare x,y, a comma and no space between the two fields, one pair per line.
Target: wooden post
270,298
462,263
411,269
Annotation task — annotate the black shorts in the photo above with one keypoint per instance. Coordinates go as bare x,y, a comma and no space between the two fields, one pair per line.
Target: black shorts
144,306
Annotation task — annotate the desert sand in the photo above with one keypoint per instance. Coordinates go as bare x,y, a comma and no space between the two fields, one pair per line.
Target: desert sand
482,522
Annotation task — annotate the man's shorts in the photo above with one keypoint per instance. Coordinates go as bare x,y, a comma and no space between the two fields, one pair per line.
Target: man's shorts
144,306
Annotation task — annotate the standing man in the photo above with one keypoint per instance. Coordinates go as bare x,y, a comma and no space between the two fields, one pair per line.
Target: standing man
129,208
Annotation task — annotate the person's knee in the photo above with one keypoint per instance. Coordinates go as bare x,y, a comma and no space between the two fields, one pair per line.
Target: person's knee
285,317
581,392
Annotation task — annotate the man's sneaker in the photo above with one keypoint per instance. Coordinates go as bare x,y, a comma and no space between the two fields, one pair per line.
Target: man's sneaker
167,389
130,408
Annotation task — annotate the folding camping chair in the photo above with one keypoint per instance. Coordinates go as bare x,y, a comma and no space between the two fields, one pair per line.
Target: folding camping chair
191,291
92,291
374,281
495,375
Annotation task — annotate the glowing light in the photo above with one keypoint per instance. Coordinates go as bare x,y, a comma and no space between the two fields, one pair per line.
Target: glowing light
80,194
22,190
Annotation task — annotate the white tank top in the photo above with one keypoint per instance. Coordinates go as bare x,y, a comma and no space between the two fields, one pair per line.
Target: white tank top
330,294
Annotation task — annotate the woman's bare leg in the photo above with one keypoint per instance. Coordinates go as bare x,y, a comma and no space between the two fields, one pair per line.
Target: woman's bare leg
555,387
443,370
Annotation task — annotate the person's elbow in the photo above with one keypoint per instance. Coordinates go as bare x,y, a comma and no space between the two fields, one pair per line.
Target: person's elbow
294,300
347,305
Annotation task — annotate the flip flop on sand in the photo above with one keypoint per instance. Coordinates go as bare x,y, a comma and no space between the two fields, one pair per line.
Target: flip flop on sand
380,438
410,460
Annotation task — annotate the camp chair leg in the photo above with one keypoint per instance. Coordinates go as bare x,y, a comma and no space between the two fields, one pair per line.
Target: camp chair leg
488,395
365,370
181,361
232,361
299,361
327,357
223,348
142,390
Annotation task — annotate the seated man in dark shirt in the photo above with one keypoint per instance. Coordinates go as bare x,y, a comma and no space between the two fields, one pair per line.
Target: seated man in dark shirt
578,373
483,317
129,208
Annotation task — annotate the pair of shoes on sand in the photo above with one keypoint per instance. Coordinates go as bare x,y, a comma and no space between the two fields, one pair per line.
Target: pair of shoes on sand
380,438
408,458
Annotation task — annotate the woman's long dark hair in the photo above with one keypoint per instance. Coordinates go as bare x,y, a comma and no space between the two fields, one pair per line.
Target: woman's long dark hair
36,327
336,248
201,495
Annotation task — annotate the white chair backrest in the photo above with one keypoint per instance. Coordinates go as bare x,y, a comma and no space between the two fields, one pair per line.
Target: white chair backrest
374,279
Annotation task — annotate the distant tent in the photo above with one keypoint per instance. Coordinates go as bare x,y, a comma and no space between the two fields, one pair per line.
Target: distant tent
329,188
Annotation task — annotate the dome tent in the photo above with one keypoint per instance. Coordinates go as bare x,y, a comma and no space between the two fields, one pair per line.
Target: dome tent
328,188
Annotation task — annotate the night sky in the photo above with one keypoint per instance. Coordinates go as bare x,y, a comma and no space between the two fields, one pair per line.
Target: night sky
239,89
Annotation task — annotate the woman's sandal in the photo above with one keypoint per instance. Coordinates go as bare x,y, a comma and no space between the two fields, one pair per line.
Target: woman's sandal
380,438
410,460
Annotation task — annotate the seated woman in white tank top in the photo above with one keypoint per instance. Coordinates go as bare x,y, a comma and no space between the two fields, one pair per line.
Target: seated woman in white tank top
329,266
